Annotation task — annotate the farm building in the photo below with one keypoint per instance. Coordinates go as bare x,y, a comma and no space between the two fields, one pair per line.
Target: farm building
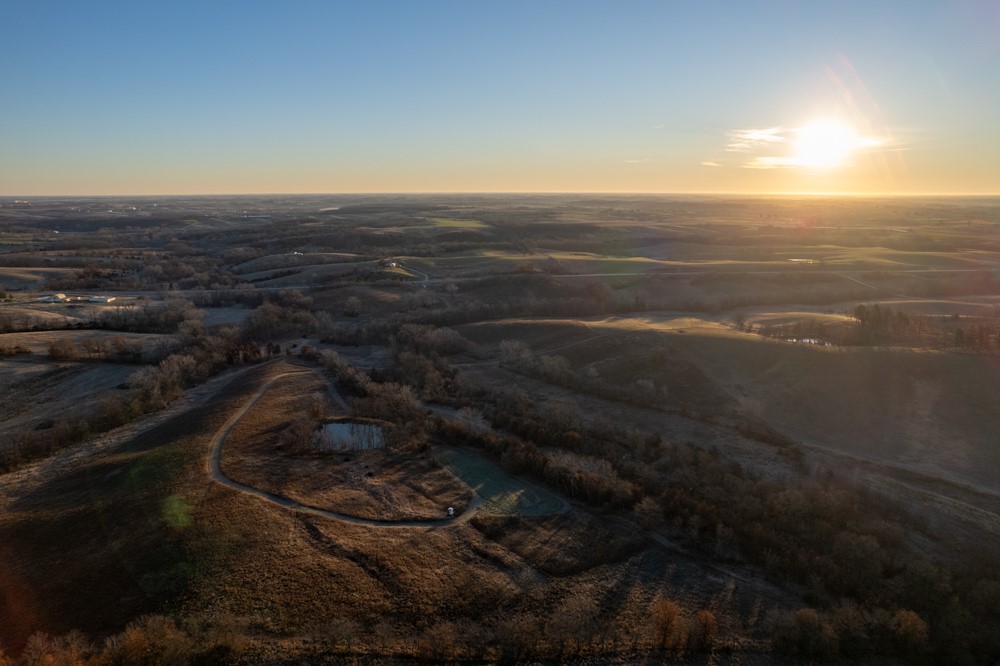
101,299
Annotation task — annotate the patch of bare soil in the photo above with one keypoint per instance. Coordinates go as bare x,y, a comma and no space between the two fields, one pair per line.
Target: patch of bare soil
376,484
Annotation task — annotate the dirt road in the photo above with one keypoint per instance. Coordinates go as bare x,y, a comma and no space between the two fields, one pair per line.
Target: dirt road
215,471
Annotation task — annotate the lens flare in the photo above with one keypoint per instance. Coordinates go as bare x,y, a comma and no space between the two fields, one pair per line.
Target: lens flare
827,144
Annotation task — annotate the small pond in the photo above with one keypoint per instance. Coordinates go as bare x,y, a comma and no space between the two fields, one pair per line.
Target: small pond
349,436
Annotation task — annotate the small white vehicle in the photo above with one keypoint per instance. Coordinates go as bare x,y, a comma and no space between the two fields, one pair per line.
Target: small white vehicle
451,512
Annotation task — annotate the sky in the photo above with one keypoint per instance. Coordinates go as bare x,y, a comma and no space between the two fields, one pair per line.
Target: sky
213,97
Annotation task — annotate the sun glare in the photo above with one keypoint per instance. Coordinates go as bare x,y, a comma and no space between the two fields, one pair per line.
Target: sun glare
826,144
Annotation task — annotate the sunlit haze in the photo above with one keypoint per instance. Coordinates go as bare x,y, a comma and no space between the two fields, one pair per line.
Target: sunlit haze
262,97
828,144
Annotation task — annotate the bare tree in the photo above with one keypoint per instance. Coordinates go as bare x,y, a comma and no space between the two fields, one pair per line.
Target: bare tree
352,308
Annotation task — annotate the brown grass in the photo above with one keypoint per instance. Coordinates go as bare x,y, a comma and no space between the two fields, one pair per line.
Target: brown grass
930,411
140,528
38,342
36,392
378,484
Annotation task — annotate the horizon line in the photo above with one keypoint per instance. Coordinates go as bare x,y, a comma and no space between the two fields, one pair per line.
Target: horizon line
504,193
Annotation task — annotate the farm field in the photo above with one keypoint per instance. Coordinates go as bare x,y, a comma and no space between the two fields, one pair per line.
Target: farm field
695,430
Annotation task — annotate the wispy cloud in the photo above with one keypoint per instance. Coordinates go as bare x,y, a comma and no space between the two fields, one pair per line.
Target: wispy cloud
710,163
748,140
771,162
645,159
824,144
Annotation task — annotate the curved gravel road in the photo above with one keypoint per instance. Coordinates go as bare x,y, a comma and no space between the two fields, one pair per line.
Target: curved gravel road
215,471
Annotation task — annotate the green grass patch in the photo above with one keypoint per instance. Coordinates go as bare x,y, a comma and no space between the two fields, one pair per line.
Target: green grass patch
502,494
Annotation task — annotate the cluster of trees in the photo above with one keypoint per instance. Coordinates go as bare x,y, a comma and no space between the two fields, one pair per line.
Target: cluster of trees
426,339
200,354
152,640
181,266
12,350
557,370
419,355
851,631
388,402
287,313
116,349
103,275
573,630
573,475
872,594
883,323
888,320
186,267
144,317
11,322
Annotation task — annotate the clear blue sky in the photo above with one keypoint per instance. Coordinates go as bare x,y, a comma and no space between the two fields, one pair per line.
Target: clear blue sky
239,97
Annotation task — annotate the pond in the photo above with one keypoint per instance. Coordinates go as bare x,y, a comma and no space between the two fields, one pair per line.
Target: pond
349,436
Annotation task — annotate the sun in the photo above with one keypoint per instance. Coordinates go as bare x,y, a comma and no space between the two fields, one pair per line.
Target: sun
826,144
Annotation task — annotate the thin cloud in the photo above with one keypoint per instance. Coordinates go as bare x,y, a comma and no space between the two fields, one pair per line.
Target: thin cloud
748,140
771,162
709,163
808,146
645,159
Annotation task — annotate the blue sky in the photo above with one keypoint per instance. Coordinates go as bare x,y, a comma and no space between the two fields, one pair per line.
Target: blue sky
233,97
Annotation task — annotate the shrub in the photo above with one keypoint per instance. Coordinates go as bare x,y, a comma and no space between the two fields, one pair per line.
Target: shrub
668,624
62,349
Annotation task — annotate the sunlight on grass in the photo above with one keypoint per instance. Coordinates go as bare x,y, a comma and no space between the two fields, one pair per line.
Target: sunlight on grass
457,223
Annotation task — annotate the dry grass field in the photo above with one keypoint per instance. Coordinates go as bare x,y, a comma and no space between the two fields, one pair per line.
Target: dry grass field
932,412
140,528
152,345
38,392
376,484
667,427
29,277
